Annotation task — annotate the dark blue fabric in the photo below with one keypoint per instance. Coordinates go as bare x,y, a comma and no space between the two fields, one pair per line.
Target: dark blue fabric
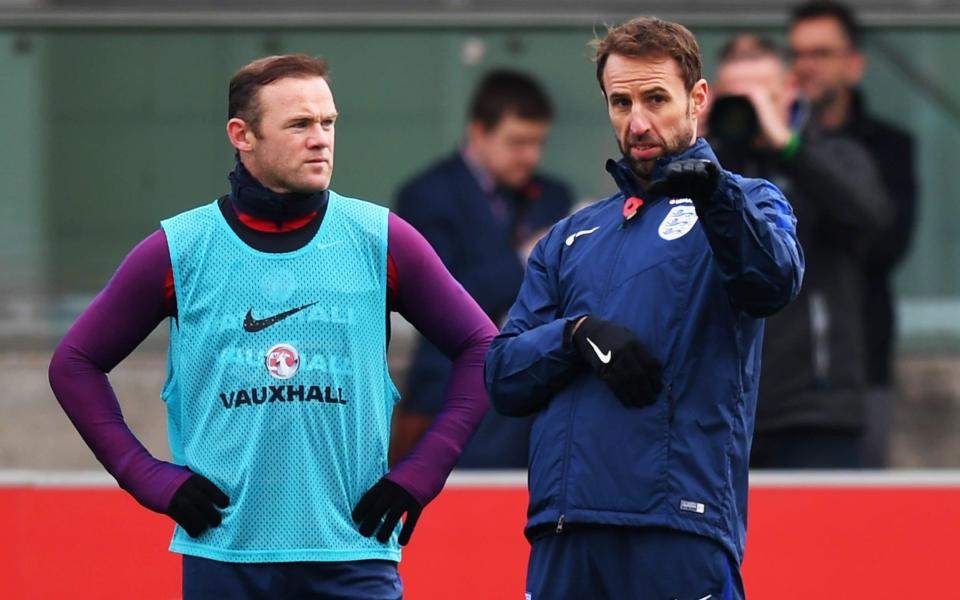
205,579
893,151
629,563
693,292
253,198
447,206
807,448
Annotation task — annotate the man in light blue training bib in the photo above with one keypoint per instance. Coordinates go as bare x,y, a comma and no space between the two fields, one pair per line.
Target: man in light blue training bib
279,400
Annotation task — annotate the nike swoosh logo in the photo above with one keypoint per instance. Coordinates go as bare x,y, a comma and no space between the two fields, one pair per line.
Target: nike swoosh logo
707,597
574,236
604,358
252,325
325,245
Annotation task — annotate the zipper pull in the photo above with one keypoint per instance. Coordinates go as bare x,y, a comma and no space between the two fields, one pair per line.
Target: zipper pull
560,525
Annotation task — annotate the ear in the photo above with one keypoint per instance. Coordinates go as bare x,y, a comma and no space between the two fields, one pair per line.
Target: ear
476,132
240,134
698,97
856,67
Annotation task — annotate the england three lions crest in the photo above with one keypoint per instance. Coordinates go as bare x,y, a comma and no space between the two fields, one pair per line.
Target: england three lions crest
678,222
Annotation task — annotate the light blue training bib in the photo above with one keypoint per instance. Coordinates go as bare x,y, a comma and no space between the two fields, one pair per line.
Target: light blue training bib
277,383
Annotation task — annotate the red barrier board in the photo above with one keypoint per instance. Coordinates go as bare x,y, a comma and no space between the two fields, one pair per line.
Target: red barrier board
871,542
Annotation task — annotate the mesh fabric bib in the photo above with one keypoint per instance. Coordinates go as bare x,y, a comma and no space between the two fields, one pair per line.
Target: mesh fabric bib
277,385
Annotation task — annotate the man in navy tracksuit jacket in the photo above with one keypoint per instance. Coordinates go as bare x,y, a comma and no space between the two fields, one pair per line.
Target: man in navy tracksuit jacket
636,341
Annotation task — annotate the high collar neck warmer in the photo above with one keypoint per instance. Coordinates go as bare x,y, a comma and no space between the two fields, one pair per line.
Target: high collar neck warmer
251,197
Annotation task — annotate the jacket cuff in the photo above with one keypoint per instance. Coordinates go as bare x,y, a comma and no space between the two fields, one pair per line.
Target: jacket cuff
568,330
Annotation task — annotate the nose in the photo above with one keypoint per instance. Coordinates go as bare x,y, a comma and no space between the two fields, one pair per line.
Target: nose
639,120
319,137
804,61
531,155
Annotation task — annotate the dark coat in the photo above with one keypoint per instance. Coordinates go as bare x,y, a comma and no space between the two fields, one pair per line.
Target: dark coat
892,151
813,372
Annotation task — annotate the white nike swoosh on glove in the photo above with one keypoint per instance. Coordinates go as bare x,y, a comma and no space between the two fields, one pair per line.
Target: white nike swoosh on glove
604,358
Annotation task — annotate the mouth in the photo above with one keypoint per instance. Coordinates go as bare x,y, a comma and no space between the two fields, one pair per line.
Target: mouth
644,151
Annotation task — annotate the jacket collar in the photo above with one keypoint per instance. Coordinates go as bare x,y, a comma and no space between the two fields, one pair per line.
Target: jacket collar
484,179
628,183
858,118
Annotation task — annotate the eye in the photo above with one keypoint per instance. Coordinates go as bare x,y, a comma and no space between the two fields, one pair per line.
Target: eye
300,124
658,99
326,123
620,101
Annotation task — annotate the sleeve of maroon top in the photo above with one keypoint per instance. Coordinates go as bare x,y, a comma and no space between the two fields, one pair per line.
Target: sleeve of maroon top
438,306
119,318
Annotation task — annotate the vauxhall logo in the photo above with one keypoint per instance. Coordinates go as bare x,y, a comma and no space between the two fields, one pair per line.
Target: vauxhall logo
282,361
273,394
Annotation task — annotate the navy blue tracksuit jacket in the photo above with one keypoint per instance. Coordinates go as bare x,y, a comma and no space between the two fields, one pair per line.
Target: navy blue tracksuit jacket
694,284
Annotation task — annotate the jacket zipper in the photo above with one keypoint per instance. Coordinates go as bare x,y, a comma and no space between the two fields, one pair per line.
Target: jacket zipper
573,407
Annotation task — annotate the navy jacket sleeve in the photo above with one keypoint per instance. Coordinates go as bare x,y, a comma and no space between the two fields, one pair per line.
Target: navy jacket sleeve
529,361
753,234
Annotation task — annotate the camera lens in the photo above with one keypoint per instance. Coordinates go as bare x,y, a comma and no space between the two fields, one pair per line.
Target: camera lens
733,121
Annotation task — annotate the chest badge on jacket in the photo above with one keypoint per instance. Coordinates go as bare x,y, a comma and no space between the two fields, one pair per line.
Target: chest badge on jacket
678,222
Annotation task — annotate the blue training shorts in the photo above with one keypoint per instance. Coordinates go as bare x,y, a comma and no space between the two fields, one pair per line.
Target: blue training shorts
630,563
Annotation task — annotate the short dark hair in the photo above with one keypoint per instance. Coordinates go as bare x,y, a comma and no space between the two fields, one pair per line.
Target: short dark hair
650,36
502,92
748,46
246,82
816,9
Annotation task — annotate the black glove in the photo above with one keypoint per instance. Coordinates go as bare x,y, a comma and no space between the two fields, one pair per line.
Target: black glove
193,505
620,360
694,178
386,502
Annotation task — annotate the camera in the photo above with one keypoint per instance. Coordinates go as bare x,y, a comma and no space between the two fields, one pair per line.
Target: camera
733,121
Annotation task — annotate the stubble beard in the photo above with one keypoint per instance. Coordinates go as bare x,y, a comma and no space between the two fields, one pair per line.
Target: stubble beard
643,169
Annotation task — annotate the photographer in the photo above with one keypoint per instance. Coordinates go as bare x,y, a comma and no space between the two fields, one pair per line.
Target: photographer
811,401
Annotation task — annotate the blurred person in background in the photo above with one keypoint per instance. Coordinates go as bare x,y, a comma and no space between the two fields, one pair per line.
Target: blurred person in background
482,208
635,341
810,411
278,395
828,64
